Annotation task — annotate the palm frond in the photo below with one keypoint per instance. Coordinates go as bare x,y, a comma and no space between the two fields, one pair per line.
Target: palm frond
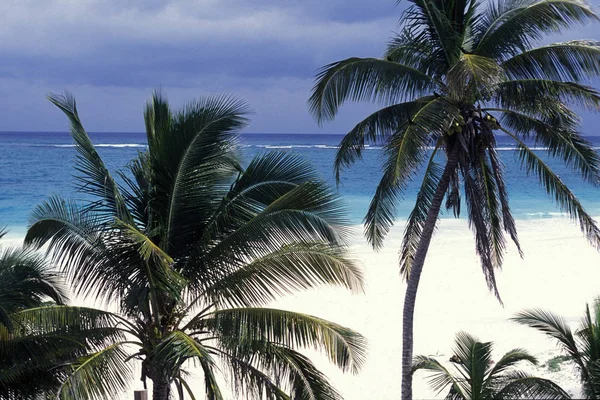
284,271
414,50
294,370
417,217
268,177
27,280
308,213
509,360
523,386
404,153
95,180
376,128
533,95
250,382
561,139
365,79
434,24
75,243
509,26
475,359
507,218
441,378
555,187
344,347
101,375
572,61
158,264
473,77
158,119
552,325
483,227
178,348
84,248
195,155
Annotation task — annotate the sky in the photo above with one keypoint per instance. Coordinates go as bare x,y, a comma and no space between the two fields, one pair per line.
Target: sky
111,54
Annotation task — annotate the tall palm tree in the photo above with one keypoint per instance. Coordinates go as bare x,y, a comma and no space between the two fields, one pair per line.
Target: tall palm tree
475,376
583,345
458,73
39,335
192,247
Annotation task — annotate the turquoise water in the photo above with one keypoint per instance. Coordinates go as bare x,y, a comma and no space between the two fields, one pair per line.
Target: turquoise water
34,166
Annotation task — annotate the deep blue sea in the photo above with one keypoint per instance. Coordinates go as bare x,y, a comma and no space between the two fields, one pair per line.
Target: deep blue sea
36,165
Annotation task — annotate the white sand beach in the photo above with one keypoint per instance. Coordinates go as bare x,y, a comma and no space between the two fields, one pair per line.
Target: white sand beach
560,272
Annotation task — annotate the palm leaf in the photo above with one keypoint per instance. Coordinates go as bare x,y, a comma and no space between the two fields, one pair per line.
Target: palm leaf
441,377
294,370
364,79
95,179
101,375
573,61
555,187
417,217
376,128
475,359
533,95
553,326
344,347
509,26
561,140
176,349
404,153
194,156
522,386
473,77
284,271
250,382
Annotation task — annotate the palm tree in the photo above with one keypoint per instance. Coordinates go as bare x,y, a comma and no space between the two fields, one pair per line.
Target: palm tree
583,346
192,247
458,73
39,335
475,376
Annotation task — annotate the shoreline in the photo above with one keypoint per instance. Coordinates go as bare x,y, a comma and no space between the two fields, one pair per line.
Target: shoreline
453,297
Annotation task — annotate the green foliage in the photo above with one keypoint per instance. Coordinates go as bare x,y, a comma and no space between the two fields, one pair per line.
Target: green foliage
457,73
191,246
463,71
473,374
39,335
581,346
553,364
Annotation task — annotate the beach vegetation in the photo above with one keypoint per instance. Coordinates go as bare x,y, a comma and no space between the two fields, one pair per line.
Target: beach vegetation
457,74
554,363
471,373
582,346
40,336
191,248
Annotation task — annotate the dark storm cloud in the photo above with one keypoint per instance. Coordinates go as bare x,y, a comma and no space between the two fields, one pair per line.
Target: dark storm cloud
111,53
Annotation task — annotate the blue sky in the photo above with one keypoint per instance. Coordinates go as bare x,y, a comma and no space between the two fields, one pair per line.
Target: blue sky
111,53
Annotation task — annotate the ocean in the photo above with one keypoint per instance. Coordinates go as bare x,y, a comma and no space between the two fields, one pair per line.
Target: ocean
559,272
35,165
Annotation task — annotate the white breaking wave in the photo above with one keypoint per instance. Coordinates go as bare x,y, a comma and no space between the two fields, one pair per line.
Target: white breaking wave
547,214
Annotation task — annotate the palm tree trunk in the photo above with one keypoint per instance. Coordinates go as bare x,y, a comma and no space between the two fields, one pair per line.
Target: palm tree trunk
161,389
415,274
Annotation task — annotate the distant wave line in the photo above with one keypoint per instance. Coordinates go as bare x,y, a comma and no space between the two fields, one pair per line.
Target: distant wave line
285,146
115,145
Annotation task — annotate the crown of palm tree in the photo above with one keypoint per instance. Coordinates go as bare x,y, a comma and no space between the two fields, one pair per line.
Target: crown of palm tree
458,72
583,345
475,376
39,335
192,246
471,68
